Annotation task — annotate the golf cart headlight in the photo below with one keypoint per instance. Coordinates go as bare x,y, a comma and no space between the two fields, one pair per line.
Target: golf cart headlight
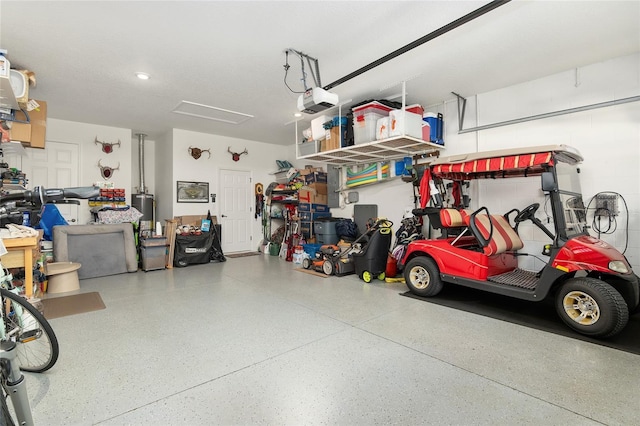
618,266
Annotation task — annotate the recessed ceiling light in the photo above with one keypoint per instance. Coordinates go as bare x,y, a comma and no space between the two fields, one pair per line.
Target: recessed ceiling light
143,76
297,114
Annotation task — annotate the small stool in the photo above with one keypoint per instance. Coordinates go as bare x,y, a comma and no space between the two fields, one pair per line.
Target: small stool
62,277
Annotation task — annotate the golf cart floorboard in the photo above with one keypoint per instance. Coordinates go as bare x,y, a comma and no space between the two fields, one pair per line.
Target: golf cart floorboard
517,278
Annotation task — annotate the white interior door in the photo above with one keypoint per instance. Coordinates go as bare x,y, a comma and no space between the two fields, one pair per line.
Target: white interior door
56,166
236,210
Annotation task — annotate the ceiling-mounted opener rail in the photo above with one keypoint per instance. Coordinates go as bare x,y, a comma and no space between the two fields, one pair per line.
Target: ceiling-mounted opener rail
434,34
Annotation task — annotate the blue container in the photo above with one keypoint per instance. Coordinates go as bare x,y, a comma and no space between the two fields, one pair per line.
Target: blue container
436,123
400,168
408,165
311,249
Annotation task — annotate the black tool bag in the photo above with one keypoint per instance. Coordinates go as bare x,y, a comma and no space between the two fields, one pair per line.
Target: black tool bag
193,249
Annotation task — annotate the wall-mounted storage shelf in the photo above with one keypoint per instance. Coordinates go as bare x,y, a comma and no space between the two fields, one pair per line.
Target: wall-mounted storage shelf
380,150
7,97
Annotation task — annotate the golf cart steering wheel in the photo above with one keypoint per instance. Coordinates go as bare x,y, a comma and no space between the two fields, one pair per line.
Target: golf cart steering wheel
527,213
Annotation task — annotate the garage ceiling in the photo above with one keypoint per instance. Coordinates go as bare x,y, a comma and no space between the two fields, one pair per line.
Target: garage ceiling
230,54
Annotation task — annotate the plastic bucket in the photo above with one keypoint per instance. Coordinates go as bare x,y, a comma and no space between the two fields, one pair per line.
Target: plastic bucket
274,249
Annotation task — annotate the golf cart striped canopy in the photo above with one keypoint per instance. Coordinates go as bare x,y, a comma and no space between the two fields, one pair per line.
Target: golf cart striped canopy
503,163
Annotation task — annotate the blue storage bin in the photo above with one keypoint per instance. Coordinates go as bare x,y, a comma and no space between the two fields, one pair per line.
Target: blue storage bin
311,249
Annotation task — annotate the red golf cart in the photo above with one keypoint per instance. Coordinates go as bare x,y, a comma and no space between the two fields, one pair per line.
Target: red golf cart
594,288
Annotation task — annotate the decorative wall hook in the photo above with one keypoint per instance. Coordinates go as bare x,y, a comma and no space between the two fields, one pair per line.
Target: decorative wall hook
197,152
236,155
107,172
107,148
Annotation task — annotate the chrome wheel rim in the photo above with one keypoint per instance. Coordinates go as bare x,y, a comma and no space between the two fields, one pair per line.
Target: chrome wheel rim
581,308
419,277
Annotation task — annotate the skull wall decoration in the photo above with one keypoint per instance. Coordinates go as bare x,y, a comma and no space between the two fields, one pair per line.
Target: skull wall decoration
236,155
107,172
107,148
197,152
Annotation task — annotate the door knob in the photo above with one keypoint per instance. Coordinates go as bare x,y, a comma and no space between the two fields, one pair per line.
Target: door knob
224,215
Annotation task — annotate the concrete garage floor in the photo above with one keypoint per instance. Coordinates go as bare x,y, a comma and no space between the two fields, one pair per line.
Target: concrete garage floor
251,341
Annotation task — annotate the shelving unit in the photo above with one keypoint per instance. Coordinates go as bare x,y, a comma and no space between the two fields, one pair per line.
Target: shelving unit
380,150
269,211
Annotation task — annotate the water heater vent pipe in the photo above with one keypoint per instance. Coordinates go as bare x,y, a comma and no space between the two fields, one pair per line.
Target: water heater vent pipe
141,136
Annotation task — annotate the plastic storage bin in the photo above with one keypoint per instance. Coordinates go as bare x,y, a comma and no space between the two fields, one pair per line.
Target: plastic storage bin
308,148
382,128
325,230
311,249
153,257
405,123
365,121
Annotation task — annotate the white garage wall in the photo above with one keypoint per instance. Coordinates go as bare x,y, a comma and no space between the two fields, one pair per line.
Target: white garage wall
84,134
608,138
260,161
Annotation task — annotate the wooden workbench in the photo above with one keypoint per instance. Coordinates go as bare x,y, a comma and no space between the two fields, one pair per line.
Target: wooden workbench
21,254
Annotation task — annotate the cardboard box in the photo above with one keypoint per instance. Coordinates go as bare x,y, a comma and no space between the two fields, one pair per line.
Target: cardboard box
311,216
321,199
307,195
320,188
313,207
309,170
194,220
34,133
315,177
334,139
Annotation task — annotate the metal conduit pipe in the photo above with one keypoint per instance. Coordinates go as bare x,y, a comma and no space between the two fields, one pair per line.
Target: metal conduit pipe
550,114
434,34
141,136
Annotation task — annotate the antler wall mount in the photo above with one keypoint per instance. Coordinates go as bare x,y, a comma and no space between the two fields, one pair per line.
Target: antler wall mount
197,152
107,148
236,155
106,171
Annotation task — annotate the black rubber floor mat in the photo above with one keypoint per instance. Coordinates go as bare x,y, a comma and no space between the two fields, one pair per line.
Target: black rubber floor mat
539,315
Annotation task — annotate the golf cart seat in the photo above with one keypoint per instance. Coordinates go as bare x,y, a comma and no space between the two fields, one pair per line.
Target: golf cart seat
504,237
449,221
452,218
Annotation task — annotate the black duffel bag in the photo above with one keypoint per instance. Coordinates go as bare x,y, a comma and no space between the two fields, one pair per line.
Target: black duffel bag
193,249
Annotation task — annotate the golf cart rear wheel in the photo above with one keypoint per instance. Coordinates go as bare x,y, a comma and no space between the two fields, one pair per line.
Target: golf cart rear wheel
366,276
327,267
423,277
592,307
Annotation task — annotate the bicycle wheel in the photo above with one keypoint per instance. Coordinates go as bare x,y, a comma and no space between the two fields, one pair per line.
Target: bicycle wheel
24,324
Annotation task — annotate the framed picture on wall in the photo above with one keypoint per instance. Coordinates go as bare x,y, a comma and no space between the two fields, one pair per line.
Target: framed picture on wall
192,192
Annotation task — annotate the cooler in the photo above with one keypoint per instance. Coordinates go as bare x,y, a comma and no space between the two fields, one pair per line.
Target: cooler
436,125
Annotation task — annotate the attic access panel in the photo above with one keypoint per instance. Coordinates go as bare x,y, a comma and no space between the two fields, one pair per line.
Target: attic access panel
209,112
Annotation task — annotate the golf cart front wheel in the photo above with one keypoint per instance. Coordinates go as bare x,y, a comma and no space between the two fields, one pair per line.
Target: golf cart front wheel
592,307
423,277
366,276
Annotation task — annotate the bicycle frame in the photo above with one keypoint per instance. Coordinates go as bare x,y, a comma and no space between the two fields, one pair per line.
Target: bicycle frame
14,383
